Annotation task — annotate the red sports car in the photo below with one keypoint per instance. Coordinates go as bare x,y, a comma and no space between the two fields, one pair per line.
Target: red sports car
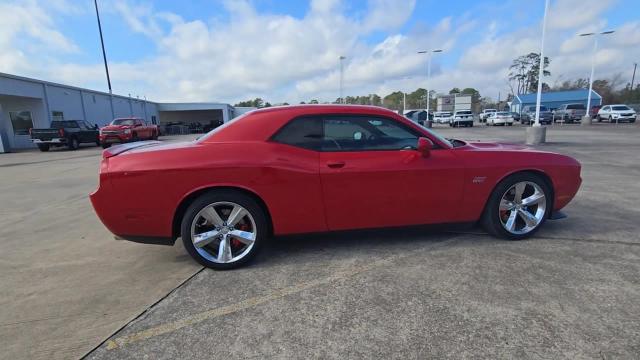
304,169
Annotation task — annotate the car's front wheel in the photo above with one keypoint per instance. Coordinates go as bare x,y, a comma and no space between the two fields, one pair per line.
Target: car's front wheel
518,206
224,229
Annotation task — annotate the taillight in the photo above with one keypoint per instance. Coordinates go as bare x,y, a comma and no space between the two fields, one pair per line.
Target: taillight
61,132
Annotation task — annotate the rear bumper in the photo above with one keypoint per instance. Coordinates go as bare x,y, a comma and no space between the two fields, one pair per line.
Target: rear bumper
51,141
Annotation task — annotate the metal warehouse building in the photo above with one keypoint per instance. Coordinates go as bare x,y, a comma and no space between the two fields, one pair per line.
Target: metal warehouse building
554,99
30,103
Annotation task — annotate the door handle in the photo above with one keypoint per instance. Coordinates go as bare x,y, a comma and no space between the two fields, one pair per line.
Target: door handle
335,164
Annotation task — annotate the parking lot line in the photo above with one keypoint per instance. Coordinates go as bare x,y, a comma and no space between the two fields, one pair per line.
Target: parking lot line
345,274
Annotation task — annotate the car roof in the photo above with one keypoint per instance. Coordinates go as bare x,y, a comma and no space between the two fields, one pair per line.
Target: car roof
261,124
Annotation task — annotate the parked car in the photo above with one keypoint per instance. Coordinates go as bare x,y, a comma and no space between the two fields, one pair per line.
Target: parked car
69,133
306,169
570,113
462,118
515,116
442,117
500,118
124,130
528,115
617,113
482,117
594,111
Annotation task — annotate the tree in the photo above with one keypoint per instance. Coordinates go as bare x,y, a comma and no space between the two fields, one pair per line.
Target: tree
524,72
455,90
313,101
394,100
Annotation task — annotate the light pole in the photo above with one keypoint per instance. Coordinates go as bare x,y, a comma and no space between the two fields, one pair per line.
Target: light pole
537,134
341,100
104,57
429,55
633,77
404,98
593,65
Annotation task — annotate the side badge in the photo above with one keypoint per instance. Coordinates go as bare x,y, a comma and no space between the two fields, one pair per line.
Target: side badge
479,179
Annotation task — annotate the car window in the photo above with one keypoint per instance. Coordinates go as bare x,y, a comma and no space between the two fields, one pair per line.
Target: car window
364,133
303,132
65,124
576,106
620,108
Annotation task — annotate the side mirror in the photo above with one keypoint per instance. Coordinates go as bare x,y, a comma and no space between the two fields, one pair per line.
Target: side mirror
424,147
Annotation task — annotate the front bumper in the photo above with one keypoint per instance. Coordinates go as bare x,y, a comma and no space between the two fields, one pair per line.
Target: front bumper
114,138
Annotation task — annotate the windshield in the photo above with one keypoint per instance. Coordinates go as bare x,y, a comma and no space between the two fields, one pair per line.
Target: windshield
64,124
490,110
620,107
442,114
503,113
463,113
123,122
576,107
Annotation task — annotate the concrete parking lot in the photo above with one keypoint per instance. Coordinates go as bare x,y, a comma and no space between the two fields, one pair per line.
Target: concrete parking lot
570,292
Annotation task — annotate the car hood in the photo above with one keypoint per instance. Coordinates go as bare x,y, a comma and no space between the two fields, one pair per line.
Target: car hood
485,145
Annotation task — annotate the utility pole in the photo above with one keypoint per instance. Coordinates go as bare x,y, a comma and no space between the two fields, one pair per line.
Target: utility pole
633,78
104,58
428,53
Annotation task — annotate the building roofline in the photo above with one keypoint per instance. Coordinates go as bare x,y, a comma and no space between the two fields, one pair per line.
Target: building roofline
38,81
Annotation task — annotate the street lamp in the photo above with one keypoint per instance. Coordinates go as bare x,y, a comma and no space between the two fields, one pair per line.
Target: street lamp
429,55
341,77
593,65
404,97
537,134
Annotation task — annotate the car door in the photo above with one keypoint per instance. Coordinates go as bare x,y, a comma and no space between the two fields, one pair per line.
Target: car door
372,176
87,134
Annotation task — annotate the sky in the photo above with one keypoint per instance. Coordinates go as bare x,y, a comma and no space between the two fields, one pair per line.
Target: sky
233,50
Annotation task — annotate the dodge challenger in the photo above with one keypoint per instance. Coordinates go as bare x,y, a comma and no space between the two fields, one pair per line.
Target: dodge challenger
318,168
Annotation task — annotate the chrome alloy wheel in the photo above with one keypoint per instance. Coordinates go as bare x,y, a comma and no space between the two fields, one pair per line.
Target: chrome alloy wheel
223,232
522,207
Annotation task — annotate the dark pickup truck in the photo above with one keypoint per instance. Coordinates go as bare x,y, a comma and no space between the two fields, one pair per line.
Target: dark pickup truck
69,133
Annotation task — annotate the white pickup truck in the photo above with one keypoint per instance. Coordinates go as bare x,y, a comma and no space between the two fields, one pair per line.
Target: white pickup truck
485,114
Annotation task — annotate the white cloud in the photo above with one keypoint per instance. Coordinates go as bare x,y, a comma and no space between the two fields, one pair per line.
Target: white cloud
283,58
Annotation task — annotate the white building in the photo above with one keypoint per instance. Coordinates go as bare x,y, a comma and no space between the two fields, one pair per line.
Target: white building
30,103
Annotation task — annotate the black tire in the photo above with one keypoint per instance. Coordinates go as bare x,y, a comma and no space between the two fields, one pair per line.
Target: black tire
471,125
73,144
491,217
511,124
599,118
105,146
241,199
43,147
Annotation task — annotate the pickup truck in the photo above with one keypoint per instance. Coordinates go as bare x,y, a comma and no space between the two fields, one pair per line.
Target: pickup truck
69,133
528,115
125,130
569,113
485,114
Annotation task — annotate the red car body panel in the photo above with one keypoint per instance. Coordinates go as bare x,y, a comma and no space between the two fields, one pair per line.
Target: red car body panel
141,190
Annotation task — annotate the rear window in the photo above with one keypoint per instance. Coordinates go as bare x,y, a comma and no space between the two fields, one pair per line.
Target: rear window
64,124
576,107
503,113
463,113
620,108
443,114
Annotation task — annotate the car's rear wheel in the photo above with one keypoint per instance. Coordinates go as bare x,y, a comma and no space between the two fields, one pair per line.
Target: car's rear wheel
43,147
518,206
223,229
